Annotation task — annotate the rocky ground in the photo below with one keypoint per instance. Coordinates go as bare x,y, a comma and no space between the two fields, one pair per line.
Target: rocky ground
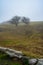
6,59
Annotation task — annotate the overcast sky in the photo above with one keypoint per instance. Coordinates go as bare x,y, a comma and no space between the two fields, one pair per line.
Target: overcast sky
28,8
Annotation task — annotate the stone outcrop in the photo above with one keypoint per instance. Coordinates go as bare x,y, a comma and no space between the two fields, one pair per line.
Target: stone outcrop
18,54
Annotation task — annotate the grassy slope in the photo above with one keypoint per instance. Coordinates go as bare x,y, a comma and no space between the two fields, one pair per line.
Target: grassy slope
28,39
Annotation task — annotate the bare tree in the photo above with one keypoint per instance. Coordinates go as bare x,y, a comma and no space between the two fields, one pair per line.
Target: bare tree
25,20
15,20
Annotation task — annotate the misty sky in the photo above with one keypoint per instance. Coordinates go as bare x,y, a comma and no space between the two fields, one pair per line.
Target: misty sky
28,8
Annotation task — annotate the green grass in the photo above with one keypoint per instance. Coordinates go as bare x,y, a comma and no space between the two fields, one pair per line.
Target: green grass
5,60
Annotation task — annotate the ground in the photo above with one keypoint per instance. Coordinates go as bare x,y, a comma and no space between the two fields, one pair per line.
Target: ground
26,38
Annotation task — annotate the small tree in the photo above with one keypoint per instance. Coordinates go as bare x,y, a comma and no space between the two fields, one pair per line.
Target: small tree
15,20
25,20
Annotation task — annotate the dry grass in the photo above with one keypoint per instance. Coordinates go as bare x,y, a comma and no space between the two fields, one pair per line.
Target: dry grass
28,39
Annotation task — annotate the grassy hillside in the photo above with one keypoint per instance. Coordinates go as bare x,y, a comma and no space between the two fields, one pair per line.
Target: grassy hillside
26,38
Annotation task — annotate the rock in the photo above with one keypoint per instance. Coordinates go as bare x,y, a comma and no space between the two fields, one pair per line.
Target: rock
11,52
40,62
36,61
33,61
